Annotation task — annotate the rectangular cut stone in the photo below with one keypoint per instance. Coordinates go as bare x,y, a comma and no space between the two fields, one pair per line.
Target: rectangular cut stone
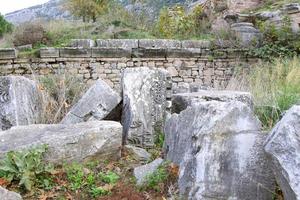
149,53
8,53
75,52
49,52
181,101
199,44
144,104
159,44
111,53
85,43
183,53
21,102
67,143
96,103
118,43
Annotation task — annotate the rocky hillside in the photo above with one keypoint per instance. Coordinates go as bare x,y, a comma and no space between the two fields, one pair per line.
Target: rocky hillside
54,9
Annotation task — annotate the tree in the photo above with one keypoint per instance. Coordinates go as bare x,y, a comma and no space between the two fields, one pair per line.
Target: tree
5,27
88,9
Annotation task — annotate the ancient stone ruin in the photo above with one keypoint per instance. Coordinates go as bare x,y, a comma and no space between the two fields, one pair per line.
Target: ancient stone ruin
212,135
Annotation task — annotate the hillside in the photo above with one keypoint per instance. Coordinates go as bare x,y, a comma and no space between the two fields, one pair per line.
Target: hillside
54,9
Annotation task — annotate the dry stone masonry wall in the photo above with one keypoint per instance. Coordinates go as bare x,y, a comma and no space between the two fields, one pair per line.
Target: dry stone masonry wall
186,61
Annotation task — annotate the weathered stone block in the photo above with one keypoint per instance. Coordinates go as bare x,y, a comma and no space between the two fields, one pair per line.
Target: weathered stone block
149,53
96,103
21,102
110,53
118,43
159,44
143,171
75,52
181,101
9,195
199,44
283,145
144,104
183,53
8,53
85,43
67,143
49,52
219,149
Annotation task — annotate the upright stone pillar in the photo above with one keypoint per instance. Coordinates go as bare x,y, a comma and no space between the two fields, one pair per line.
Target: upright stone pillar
145,93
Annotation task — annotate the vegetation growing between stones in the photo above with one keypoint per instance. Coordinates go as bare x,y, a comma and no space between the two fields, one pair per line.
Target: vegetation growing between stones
61,92
27,168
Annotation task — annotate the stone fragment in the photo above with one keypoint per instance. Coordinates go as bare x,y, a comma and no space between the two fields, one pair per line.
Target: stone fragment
247,34
67,143
219,149
49,52
283,145
21,102
75,52
85,43
8,53
97,102
118,43
159,44
8,195
142,172
138,153
181,101
144,104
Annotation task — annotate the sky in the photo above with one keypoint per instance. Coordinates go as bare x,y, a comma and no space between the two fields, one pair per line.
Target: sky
7,6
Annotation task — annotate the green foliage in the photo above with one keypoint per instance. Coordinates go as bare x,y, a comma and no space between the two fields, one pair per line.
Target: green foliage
109,177
26,167
75,176
159,139
277,41
156,179
5,27
175,22
98,191
276,87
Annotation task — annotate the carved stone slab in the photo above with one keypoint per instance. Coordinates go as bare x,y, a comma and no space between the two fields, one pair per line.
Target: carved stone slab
144,104
21,102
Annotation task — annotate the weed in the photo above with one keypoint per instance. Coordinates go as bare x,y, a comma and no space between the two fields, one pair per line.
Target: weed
98,191
75,176
27,167
109,177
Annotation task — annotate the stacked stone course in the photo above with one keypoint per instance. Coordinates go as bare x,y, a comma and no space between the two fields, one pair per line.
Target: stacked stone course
186,61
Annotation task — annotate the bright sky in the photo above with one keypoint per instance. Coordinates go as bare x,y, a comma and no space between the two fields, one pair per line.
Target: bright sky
7,6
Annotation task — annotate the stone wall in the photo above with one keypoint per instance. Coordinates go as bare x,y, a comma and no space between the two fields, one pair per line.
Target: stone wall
187,61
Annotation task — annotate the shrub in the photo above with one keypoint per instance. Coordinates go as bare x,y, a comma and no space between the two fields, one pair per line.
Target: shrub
27,167
277,41
5,27
30,33
176,22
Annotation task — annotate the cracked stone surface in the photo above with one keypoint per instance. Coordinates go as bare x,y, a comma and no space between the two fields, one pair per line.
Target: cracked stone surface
67,143
96,103
144,104
21,102
219,149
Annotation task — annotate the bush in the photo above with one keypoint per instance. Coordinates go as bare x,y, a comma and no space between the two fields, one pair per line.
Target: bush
5,27
277,41
30,33
176,22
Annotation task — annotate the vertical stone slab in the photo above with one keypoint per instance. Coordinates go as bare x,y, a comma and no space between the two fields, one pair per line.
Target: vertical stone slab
144,104
21,102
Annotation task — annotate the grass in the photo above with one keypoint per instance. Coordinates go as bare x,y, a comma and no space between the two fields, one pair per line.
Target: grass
275,86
